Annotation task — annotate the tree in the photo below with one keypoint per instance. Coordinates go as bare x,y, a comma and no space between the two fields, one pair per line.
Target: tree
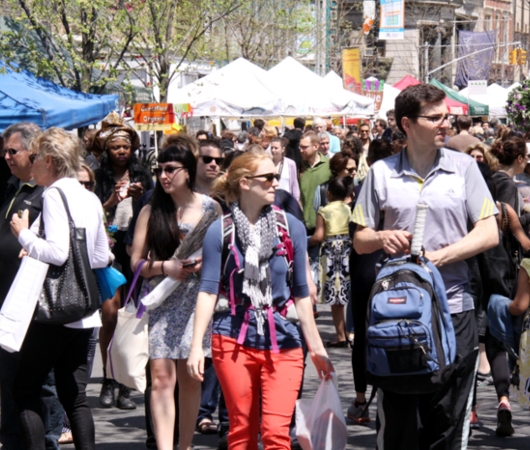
172,32
263,31
80,44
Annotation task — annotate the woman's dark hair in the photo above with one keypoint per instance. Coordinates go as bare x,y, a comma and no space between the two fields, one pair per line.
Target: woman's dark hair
379,149
339,161
163,234
488,178
410,100
341,187
508,151
105,181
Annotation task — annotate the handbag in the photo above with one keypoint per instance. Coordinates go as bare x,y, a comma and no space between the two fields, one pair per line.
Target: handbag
70,292
19,306
128,350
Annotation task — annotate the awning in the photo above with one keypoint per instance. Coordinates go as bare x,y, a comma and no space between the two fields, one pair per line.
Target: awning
475,108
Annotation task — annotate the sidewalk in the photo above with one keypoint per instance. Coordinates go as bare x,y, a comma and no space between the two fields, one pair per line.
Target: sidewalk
125,430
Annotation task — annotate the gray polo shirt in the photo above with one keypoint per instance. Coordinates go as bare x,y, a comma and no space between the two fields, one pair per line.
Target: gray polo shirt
456,194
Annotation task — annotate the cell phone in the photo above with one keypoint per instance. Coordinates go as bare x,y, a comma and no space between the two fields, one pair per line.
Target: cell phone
192,263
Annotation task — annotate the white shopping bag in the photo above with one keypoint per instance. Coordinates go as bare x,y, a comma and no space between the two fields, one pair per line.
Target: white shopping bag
19,306
320,423
128,351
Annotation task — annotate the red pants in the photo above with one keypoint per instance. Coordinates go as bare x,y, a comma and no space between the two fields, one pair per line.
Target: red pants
248,375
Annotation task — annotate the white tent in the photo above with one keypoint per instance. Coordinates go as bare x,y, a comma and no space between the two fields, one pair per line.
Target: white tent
237,89
334,80
389,97
495,99
305,93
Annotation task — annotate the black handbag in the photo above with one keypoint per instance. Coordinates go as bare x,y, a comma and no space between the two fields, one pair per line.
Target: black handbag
70,292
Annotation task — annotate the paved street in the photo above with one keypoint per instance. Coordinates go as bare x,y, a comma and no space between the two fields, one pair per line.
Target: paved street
124,430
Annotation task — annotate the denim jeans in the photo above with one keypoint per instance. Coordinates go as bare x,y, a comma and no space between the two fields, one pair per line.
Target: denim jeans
65,350
10,432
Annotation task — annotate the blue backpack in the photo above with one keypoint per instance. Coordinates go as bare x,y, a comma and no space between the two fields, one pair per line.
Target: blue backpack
410,339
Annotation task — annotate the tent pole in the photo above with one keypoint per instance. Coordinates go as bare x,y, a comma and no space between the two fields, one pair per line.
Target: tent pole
156,146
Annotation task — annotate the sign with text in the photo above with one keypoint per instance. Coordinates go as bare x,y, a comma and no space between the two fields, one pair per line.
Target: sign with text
351,69
374,89
153,116
478,87
392,20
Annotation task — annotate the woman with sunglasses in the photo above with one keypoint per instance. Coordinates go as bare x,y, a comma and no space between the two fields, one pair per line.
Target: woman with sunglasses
256,351
163,224
55,157
120,181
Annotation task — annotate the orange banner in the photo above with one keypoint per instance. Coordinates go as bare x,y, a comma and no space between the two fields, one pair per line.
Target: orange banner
153,116
351,69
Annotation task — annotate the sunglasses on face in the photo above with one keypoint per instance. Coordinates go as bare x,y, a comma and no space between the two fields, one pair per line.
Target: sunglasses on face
12,151
351,169
269,177
209,159
169,170
87,184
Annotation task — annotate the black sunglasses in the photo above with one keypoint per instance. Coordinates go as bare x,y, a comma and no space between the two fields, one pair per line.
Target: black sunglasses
351,169
87,184
209,159
168,169
12,151
268,176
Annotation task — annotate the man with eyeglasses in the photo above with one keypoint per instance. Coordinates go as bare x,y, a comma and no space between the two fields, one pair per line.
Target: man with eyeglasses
452,186
21,194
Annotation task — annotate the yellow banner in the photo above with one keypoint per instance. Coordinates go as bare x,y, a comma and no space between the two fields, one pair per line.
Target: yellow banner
351,69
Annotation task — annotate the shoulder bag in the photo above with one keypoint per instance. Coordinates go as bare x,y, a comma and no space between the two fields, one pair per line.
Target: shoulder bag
70,291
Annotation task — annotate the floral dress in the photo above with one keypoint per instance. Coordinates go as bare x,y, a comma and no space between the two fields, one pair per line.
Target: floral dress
171,324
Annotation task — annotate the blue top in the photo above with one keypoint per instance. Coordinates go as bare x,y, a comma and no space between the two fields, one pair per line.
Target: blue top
287,333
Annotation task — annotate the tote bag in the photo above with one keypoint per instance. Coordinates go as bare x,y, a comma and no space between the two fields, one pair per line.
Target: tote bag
128,350
19,306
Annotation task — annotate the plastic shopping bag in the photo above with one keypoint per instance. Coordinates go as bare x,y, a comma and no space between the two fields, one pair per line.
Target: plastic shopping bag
109,280
320,423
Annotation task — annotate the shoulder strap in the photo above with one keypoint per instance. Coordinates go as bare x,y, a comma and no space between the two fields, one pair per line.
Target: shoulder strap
65,203
228,236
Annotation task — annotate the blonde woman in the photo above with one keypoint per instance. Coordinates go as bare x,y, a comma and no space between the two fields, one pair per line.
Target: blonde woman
257,353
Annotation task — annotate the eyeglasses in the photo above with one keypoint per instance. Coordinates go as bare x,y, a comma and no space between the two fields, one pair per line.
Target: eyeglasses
437,119
32,157
209,159
351,169
168,170
270,177
364,131
87,184
12,151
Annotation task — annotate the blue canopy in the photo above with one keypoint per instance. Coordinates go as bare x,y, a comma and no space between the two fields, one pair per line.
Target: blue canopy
24,97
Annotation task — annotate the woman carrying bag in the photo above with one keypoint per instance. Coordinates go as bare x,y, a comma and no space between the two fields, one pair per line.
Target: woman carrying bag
60,344
256,350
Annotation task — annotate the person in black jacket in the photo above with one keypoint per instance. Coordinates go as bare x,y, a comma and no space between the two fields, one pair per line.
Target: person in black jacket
120,182
21,193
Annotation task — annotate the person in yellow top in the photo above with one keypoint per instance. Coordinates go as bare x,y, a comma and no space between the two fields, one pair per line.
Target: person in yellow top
334,273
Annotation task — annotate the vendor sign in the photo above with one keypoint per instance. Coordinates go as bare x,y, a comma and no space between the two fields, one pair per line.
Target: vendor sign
153,116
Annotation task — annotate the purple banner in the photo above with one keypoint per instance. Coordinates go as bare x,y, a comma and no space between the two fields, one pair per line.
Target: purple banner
477,66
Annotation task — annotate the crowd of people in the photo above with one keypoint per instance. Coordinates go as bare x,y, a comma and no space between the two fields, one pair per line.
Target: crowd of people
294,217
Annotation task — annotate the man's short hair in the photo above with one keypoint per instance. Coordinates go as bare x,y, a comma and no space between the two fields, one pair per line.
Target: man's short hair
209,143
464,122
391,113
410,101
242,137
323,135
313,137
259,124
299,122
27,130
319,120
254,131
381,122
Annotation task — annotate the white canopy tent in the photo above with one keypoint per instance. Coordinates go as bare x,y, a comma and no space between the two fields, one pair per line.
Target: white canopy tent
389,97
238,89
305,93
495,99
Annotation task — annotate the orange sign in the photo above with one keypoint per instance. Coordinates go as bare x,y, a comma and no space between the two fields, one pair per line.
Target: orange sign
153,116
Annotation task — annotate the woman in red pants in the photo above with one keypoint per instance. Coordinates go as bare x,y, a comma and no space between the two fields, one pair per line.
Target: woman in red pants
256,344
